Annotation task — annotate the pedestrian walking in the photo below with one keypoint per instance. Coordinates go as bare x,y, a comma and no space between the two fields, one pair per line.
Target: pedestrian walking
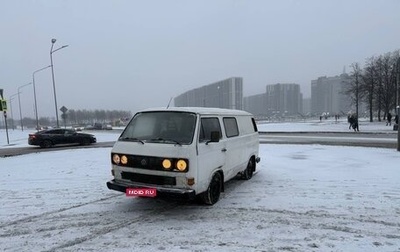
350,120
353,121
389,119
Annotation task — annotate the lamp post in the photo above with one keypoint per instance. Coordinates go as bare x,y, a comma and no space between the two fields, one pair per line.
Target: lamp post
19,102
53,41
11,111
397,103
34,94
398,82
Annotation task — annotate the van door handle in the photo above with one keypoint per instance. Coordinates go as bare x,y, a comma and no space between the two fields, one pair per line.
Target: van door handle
224,150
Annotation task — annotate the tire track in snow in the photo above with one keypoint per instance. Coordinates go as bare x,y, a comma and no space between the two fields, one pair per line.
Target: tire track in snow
326,220
33,217
95,233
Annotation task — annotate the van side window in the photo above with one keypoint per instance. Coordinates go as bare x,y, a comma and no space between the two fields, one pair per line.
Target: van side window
231,127
209,125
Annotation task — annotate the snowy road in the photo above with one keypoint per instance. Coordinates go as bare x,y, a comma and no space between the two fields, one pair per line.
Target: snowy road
327,138
303,198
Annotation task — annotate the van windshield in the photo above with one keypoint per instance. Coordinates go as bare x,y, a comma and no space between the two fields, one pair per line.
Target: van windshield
161,127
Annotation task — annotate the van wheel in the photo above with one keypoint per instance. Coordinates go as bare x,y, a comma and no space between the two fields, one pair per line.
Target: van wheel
248,173
211,196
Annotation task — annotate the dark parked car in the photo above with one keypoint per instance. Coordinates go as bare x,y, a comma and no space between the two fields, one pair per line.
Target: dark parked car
48,138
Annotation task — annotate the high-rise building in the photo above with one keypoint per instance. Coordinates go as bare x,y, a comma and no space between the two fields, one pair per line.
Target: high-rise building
328,95
284,99
227,93
278,100
255,104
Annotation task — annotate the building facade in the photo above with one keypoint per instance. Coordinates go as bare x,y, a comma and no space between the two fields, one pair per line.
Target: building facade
284,99
278,100
227,94
256,104
328,95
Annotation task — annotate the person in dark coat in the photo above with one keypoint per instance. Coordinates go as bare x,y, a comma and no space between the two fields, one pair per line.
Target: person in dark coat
350,120
353,120
389,119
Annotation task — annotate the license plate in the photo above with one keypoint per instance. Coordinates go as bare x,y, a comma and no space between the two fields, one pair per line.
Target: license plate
141,192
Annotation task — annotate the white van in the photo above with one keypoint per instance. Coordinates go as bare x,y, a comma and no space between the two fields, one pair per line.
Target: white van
184,150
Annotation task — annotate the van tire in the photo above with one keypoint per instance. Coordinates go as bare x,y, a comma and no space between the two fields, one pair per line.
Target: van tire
248,172
211,196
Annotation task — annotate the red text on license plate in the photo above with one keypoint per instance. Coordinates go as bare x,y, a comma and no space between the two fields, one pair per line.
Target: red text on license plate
141,192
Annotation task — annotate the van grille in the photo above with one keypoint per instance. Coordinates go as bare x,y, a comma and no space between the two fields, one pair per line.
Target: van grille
148,179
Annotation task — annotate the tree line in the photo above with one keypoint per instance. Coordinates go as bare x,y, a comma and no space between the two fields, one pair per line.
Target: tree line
76,117
102,116
376,84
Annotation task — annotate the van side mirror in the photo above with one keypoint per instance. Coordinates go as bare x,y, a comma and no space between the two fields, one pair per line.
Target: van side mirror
214,137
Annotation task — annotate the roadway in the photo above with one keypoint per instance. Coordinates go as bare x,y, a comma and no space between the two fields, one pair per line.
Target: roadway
364,139
380,140
14,151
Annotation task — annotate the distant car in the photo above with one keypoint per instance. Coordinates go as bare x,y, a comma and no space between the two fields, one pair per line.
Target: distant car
41,128
49,138
96,126
107,127
78,127
88,127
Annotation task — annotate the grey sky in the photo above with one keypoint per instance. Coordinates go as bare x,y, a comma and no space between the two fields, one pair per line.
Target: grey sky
129,55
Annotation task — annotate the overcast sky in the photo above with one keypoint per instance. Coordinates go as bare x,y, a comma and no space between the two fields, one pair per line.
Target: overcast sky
129,55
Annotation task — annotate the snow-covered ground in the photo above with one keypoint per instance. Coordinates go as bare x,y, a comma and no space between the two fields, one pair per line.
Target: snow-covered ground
303,198
329,125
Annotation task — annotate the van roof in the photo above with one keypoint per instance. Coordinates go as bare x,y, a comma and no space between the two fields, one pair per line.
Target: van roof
200,110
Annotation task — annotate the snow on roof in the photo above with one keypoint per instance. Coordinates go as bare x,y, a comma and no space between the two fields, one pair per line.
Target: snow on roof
200,110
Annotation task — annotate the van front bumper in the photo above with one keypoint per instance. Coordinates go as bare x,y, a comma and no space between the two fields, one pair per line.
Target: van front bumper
121,187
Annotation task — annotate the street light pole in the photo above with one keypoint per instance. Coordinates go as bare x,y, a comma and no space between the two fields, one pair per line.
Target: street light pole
398,104
34,95
19,102
52,74
11,111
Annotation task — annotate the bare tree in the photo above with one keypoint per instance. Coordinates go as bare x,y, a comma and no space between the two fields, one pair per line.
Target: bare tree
388,83
354,86
369,85
396,74
379,90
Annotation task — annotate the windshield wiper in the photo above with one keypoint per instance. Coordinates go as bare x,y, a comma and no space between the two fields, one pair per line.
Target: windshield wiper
133,139
166,140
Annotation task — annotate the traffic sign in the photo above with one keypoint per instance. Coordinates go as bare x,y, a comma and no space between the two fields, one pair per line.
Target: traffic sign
3,105
63,109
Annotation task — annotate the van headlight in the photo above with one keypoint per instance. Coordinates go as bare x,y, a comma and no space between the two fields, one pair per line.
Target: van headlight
166,163
119,159
177,165
124,159
181,165
116,159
